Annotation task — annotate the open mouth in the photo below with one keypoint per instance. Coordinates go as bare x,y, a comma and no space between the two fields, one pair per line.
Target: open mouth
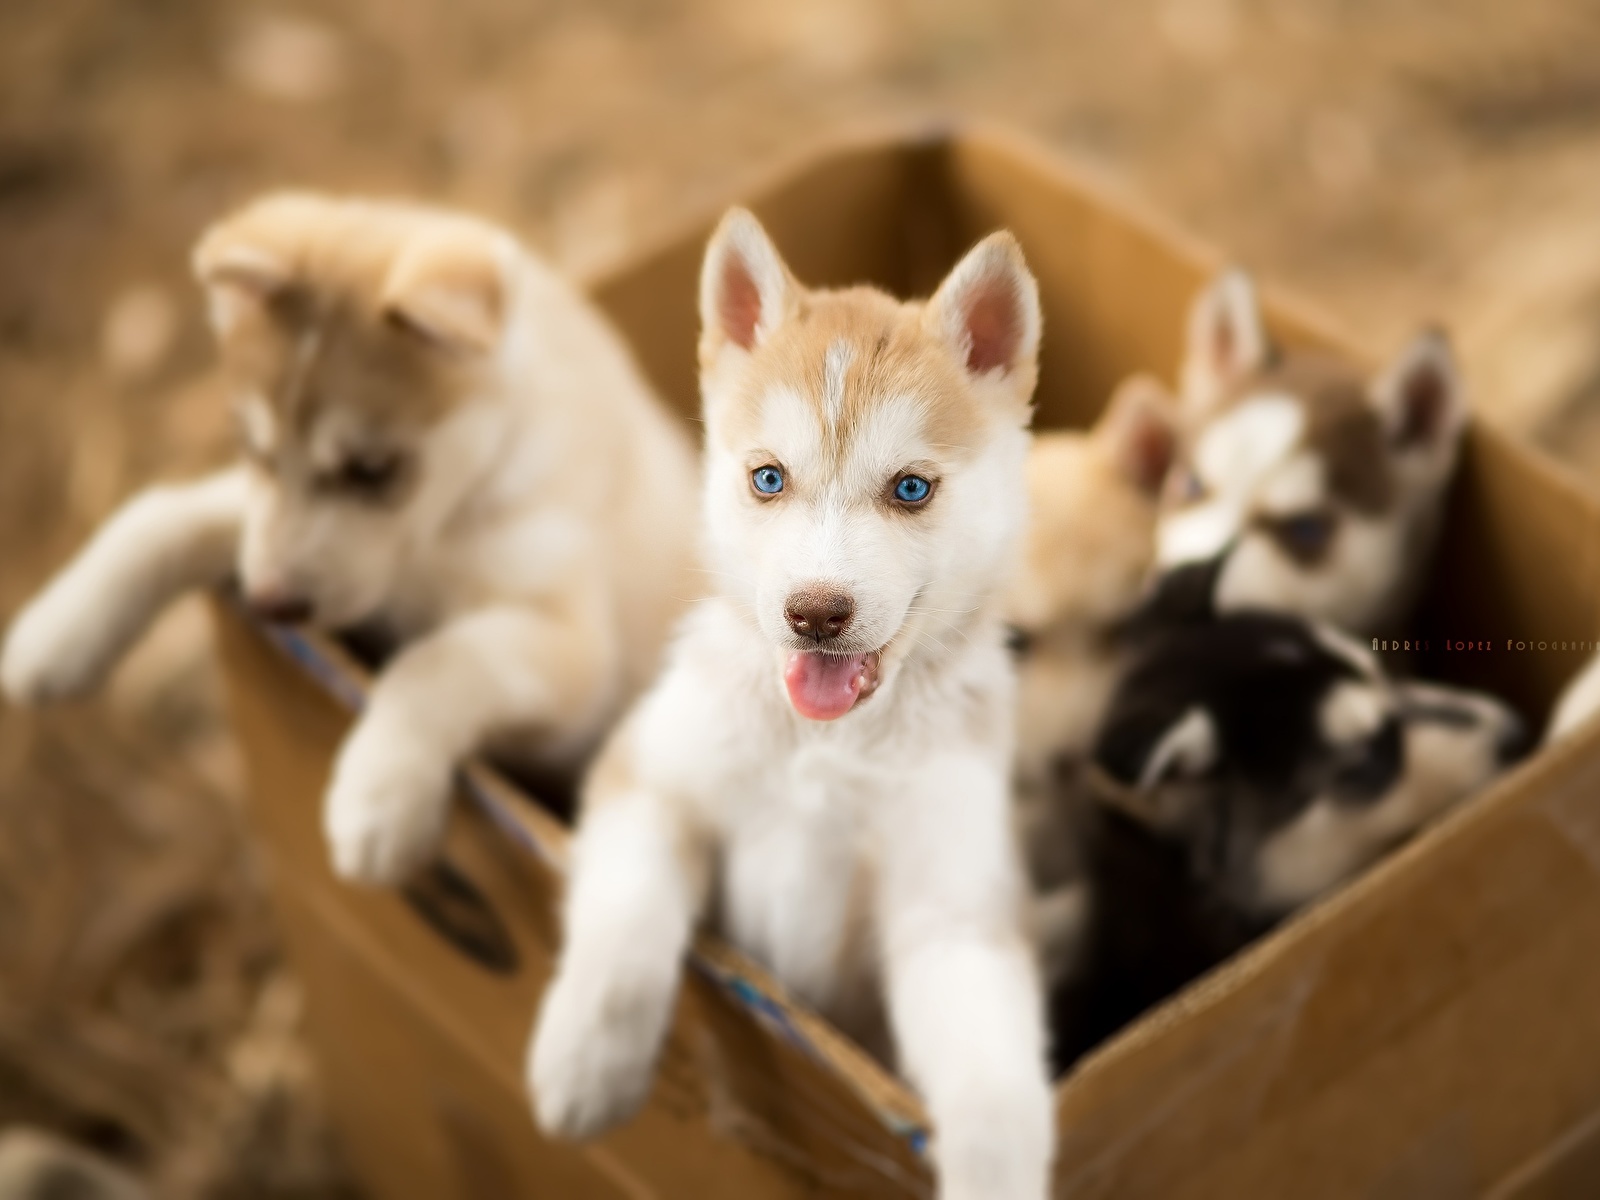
823,687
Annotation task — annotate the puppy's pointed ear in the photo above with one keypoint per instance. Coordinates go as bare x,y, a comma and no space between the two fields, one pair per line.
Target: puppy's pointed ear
1144,745
746,290
451,290
1227,339
1137,755
237,272
1139,431
987,309
1187,749
1421,397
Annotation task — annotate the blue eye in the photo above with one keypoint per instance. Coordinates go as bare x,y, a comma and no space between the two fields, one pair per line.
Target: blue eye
912,489
767,480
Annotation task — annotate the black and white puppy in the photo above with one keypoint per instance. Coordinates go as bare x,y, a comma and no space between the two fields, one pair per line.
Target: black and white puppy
1246,766
1303,483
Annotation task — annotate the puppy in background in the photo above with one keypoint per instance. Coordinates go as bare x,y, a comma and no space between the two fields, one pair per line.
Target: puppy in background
443,443
1086,561
1303,486
1246,767
823,769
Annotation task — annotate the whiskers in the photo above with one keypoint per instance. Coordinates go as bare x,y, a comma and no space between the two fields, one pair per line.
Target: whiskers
942,619
925,623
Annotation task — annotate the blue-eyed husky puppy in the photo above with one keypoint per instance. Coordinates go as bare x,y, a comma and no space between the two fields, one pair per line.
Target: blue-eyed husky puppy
822,772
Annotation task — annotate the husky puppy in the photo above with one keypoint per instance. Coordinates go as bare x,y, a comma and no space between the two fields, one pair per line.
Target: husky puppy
442,441
1089,549
1247,766
1302,486
1090,546
823,769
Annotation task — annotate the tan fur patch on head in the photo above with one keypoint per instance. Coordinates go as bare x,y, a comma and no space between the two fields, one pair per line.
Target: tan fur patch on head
1091,539
317,324
845,352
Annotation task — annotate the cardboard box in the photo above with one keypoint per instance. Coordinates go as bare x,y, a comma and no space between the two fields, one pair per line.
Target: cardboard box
1433,1030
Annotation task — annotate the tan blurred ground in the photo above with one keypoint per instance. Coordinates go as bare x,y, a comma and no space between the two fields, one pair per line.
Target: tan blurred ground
1397,160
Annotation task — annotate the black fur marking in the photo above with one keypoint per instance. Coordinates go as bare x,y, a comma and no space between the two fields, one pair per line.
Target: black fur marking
1172,897
1180,596
1019,641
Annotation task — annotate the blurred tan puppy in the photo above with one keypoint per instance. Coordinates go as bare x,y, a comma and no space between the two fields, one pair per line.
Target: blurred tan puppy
1087,559
1090,548
443,442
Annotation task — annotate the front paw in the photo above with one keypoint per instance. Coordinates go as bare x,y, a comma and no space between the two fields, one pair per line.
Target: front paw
592,1057
385,810
52,652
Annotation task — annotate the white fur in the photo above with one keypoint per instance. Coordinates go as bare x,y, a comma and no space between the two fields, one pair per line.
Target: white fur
1351,712
520,515
1226,339
1300,484
1354,589
1240,453
868,860
533,572
834,366
1443,762
162,542
1189,747
901,797
1199,533
1239,448
1578,701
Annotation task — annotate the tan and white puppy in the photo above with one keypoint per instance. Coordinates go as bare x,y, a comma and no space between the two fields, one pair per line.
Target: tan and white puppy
823,769
442,440
1086,561
1303,486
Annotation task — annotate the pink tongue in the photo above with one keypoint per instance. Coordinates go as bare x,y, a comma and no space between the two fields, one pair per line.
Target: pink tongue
823,687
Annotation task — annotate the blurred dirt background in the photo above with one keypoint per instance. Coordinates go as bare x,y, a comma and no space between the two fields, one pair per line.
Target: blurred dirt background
1397,160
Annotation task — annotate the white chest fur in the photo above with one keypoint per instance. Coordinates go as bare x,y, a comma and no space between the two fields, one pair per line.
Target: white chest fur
796,878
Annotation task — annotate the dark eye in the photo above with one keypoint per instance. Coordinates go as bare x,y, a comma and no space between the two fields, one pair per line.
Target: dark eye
1368,770
1183,486
1305,535
767,480
912,489
369,474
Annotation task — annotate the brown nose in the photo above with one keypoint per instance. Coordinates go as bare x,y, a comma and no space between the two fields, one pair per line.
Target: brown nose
281,608
819,613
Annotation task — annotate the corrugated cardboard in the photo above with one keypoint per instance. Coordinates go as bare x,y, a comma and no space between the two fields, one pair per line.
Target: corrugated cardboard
1432,1030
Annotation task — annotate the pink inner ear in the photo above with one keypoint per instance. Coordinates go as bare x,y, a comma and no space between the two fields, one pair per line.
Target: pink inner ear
738,302
1149,454
1422,405
1224,344
994,324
